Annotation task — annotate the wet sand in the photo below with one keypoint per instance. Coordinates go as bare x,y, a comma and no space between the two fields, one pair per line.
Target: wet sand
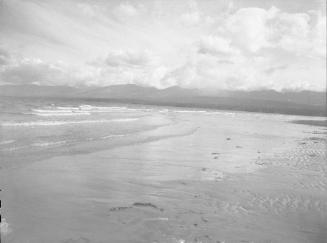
232,180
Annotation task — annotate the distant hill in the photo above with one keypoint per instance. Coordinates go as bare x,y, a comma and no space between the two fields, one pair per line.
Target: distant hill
300,97
290,102
36,91
117,92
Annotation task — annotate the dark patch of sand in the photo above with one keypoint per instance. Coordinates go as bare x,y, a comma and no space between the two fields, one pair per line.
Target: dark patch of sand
320,123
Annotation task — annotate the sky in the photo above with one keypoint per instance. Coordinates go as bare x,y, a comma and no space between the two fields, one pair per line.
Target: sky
207,44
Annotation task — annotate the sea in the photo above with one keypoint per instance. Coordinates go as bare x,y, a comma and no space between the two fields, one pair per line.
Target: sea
38,128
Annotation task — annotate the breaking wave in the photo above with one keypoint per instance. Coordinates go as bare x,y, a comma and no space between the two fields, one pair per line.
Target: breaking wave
59,123
82,110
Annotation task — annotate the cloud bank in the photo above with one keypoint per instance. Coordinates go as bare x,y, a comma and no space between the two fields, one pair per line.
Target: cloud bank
206,45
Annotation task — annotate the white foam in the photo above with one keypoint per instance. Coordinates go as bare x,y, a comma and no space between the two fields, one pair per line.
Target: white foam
83,110
113,136
62,114
101,108
223,113
157,219
6,142
53,111
58,123
47,144
67,108
190,111
60,111
125,119
164,111
77,110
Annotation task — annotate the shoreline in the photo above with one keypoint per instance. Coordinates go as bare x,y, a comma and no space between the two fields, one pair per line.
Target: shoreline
164,191
298,111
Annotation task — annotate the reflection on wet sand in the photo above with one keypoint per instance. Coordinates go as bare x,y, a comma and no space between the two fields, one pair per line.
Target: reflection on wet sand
204,178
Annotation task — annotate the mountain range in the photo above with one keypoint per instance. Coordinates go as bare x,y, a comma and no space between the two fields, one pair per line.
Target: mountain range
288,102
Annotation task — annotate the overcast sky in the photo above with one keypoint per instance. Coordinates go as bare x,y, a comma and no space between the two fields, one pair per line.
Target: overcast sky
209,44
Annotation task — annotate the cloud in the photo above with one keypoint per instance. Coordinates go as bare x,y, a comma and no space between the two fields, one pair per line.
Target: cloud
200,44
274,69
239,72
255,28
216,45
18,70
247,28
128,58
34,72
192,18
126,66
4,57
127,10
88,10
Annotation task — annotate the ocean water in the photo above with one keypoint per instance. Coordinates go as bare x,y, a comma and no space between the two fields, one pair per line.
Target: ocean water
34,129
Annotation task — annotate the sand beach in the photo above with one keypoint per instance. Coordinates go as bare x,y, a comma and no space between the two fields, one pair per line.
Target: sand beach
199,176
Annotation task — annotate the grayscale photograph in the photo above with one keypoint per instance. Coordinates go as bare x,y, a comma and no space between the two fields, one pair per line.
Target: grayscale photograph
163,121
